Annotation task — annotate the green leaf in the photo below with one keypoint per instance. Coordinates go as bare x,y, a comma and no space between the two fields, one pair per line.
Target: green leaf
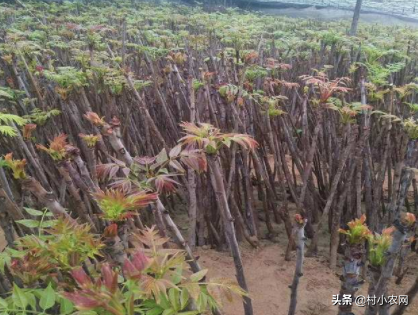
5,94
176,276
170,311
202,302
32,300
184,299
164,302
66,306
48,224
211,148
5,259
227,142
35,213
16,253
149,304
47,298
8,131
175,151
173,296
155,311
38,213
196,277
3,303
162,156
10,118
19,298
29,223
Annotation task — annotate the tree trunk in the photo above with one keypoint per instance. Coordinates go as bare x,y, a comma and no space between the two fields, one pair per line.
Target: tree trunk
228,221
335,234
351,274
299,232
194,265
44,197
398,238
356,17
191,177
375,272
81,209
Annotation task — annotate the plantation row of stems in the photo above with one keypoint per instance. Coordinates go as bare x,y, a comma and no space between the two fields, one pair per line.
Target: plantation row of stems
333,143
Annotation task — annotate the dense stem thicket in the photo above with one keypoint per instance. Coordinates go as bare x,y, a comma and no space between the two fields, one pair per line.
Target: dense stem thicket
95,96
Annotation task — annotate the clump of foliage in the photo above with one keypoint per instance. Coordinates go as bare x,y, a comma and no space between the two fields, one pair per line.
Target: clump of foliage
409,219
39,117
156,281
59,246
35,301
326,87
6,119
16,166
153,280
118,205
57,148
67,79
357,231
90,140
378,247
411,128
211,139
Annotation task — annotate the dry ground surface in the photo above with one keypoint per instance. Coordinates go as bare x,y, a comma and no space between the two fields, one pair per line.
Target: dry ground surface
269,275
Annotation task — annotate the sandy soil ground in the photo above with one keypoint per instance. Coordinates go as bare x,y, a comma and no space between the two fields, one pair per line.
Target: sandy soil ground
269,275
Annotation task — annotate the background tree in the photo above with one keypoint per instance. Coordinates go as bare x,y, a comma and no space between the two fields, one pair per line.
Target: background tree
356,18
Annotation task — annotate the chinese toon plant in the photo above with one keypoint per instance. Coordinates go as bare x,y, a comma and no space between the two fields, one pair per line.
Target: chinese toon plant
6,129
35,301
59,246
155,175
118,206
356,236
62,269
325,87
210,141
379,244
154,280
153,66
403,224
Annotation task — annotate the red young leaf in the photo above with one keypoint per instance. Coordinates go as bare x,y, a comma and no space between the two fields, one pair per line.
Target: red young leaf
110,278
81,278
